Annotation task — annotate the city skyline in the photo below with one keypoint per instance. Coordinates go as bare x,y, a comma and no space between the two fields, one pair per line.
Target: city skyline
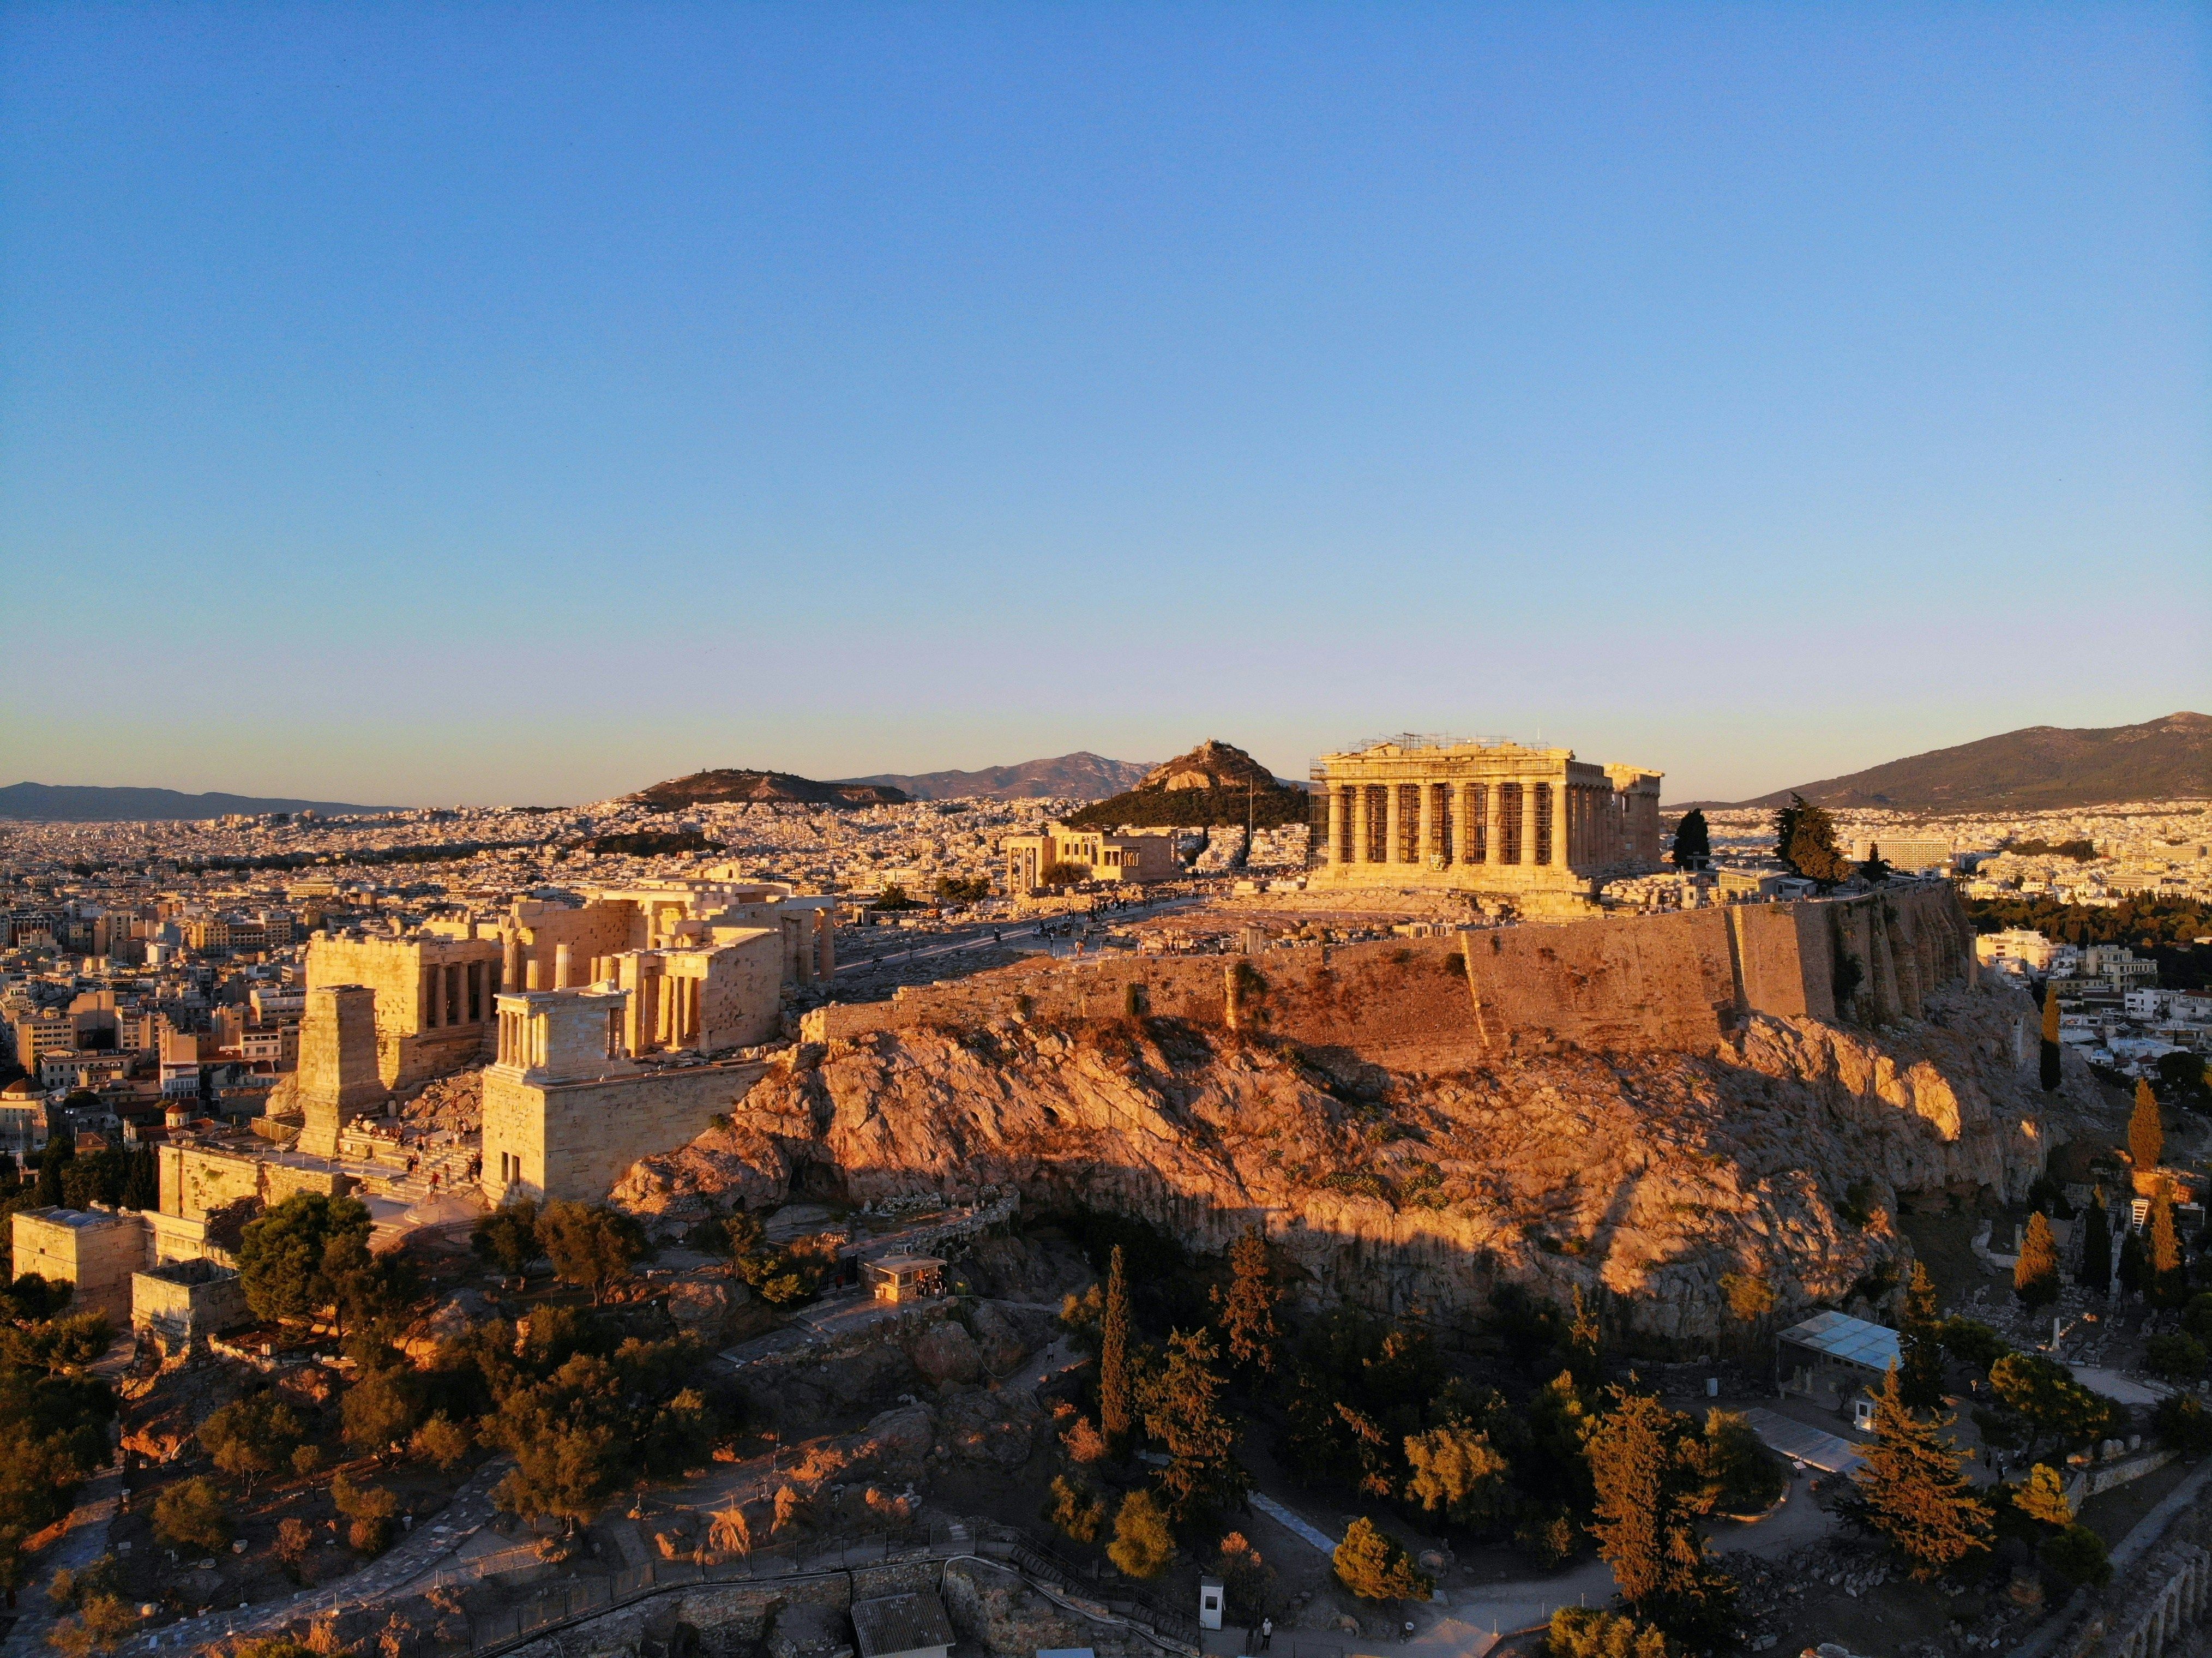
429,408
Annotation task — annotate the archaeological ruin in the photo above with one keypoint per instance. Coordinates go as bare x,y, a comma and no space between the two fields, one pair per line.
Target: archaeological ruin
1535,826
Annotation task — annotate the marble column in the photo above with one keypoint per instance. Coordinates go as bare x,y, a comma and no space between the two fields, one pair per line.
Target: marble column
1559,857
1468,839
1497,815
1361,807
564,962
1424,848
1336,847
1394,809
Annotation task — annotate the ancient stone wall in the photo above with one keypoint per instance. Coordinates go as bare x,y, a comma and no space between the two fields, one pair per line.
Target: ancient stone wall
1679,981
740,1004
573,1141
434,999
180,1306
97,1253
198,1179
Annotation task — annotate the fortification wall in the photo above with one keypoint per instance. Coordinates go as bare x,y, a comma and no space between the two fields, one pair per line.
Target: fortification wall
573,1141
1673,982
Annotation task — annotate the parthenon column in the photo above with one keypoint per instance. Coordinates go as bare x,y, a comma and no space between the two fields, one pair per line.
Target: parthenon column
562,961
1361,807
1394,809
1426,847
1336,846
1560,845
1465,839
1497,793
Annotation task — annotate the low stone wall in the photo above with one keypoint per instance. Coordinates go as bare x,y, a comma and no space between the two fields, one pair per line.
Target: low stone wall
1677,980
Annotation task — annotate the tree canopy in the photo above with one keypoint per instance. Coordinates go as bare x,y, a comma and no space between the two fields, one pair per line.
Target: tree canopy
281,1257
1805,839
1912,1492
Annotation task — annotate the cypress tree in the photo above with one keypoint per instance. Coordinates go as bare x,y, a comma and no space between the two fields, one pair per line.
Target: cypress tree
2146,1133
1114,1410
142,1190
1911,1491
2169,1277
2097,1246
2049,1059
2035,1273
1694,840
1920,1371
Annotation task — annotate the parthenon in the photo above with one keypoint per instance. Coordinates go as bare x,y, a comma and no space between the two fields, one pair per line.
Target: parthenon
1487,817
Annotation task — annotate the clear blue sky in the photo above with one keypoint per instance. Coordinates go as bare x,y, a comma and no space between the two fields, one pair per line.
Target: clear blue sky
482,403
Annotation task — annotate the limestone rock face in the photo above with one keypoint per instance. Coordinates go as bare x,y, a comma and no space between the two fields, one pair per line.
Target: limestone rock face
449,1321
1638,1178
739,1161
995,1428
945,1352
703,1303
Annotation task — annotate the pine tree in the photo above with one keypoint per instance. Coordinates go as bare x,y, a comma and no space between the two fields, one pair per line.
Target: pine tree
1248,1309
1650,1468
2096,1273
1920,1369
1805,839
2146,1134
1911,1491
2049,1060
1114,1407
2169,1276
2035,1273
1693,841
1876,869
1202,1471
1373,1565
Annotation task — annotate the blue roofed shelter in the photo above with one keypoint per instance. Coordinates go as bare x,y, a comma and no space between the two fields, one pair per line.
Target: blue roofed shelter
1833,1358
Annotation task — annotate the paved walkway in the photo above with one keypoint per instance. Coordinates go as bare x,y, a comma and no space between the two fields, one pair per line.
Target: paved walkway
422,1550
85,1540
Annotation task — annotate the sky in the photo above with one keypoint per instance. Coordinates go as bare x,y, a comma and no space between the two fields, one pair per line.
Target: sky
479,404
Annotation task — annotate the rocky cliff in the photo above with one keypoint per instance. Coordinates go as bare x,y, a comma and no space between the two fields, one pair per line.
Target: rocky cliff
1639,1177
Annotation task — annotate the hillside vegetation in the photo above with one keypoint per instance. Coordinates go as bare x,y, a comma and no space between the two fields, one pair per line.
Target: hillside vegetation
2041,768
1215,783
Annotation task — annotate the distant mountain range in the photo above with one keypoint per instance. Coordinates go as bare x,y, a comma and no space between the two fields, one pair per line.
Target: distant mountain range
2041,768
1079,776
726,786
70,803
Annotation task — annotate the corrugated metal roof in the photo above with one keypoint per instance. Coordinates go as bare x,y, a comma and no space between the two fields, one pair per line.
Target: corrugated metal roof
1852,1340
900,1623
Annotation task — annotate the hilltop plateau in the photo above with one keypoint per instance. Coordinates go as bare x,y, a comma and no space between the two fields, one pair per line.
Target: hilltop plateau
2040,769
1419,1150
714,788
1215,783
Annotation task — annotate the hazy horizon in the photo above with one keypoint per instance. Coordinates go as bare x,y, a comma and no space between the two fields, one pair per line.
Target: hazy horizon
431,405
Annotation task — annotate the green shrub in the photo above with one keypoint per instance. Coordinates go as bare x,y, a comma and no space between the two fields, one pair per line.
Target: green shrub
192,1513
2077,1554
2176,1357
